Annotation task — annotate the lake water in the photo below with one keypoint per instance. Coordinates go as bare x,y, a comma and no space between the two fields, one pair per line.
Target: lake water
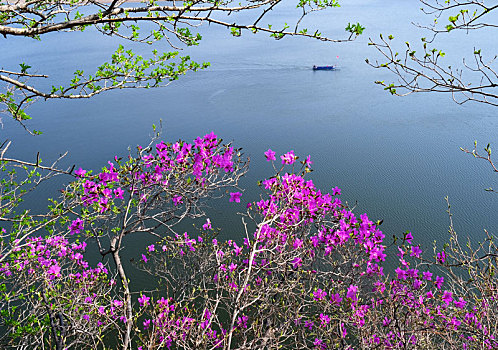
396,158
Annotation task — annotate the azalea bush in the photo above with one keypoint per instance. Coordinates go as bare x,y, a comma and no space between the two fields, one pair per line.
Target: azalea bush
305,272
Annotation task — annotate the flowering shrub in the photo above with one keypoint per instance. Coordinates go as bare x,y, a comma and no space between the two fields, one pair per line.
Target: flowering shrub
48,287
306,273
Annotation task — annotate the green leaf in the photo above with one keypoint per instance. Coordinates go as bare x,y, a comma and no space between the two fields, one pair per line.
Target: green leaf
24,67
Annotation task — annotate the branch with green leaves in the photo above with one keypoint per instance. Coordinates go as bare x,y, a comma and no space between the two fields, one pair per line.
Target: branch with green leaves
125,70
464,15
424,69
177,24
486,156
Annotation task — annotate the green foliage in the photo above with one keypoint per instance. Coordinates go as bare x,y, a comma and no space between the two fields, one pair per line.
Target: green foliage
24,67
356,29
235,31
318,3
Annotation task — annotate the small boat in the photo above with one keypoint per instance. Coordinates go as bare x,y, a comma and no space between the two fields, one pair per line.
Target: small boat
323,67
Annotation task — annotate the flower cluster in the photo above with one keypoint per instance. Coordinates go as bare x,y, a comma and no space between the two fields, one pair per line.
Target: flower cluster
320,266
51,274
156,169
308,272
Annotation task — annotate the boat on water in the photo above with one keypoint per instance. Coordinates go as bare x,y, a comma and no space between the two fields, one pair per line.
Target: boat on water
323,67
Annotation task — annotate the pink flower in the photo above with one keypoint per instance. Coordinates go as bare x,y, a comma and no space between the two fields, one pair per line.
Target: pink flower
427,275
319,343
401,274
144,300
343,330
409,237
237,250
447,297
297,262
118,193
336,191
325,320
235,197
308,161
298,243
177,200
242,321
288,158
319,294
460,303
76,226
80,172
207,225
335,299
270,155
351,294
146,324
439,282
54,271
417,284
416,251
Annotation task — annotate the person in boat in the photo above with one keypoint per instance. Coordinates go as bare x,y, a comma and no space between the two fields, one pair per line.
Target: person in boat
314,66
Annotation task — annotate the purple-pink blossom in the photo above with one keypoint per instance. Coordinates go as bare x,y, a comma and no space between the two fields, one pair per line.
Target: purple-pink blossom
319,294
308,161
118,193
460,303
427,275
80,172
288,158
207,225
308,324
439,282
177,199
236,249
409,237
242,321
351,294
54,271
76,226
319,344
416,251
325,320
297,262
235,197
400,274
441,257
447,297
144,300
270,155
